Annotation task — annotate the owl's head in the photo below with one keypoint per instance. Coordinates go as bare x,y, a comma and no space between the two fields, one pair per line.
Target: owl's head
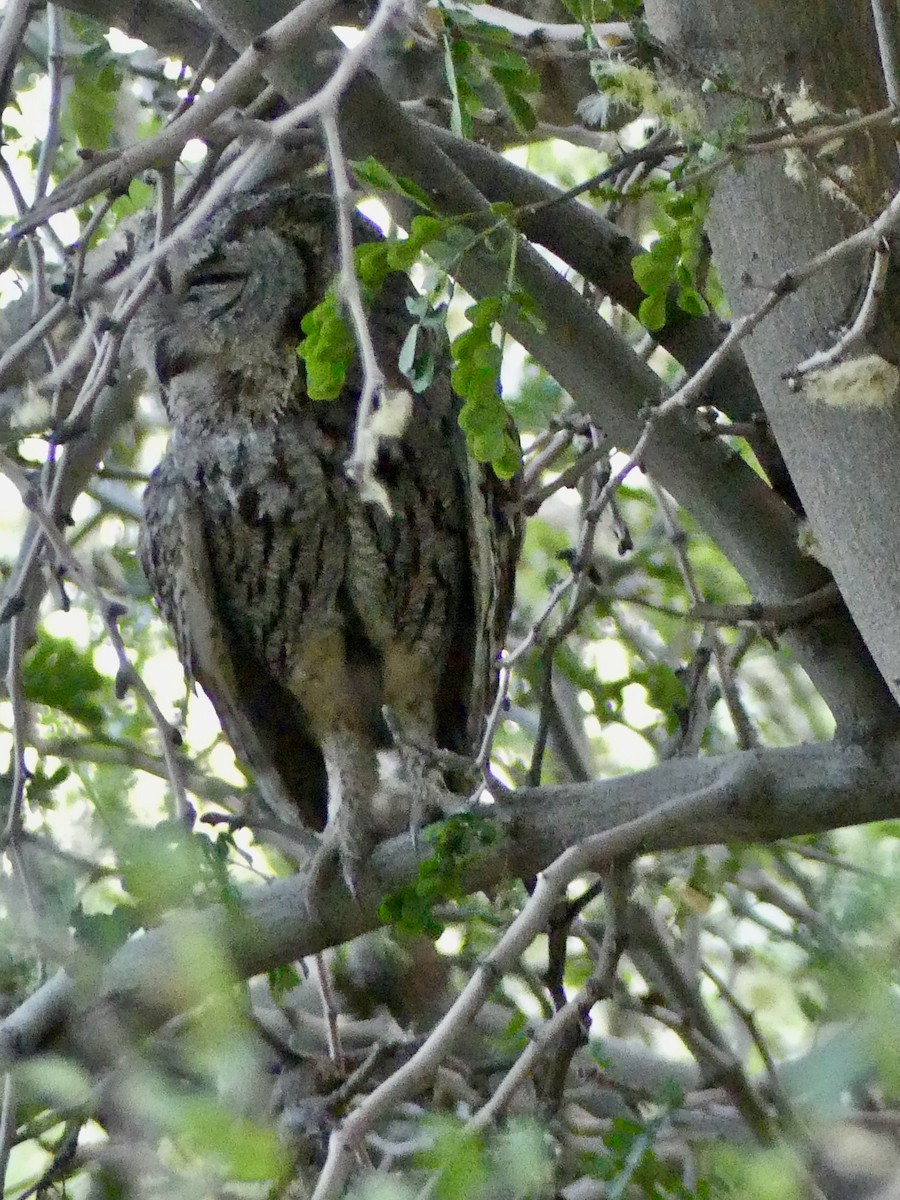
225,321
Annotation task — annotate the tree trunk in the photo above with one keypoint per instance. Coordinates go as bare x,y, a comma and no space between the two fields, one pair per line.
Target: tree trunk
764,221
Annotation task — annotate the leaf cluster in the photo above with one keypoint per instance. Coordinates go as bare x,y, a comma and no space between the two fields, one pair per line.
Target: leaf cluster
328,348
477,55
456,843
677,261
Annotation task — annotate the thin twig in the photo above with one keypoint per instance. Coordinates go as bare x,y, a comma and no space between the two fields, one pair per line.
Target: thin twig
329,1010
525,27
193,89
250,162
361,464
746,733
776,1092
864,321
109,614
7,1127
543,452
16,16
54,109
779,616
885,33
115,173
566,479
16,693
38,330
85,239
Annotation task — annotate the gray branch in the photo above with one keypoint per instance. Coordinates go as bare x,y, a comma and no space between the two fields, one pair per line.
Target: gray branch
757,795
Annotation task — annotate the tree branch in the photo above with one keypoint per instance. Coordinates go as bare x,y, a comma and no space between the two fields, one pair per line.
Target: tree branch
756,795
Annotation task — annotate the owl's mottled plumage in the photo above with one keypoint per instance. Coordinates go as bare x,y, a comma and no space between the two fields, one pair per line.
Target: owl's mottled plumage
301,608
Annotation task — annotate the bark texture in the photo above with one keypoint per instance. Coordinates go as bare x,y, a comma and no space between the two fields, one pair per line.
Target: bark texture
765,221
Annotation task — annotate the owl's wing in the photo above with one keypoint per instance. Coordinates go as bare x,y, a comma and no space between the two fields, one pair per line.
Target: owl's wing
263,722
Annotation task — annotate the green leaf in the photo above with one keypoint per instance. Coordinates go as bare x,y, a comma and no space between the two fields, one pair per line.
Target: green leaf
460,121
250,1152
675,260
655,268
469,99
137,197
453,242
458,1155
652,311
373,266
370,171
282,980
327,350
538,400
422,375
87,30
422,231
475,378
509,460
459,17
90,113
58,1081
57,674
522,112
520,1157
692,302
104,933
329,347
456,842
410,913
167,866
501,58
517,79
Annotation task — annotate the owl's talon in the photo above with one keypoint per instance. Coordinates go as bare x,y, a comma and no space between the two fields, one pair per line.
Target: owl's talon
321,866
352,883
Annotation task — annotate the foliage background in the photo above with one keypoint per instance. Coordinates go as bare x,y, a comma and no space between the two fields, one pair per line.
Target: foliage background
703,1007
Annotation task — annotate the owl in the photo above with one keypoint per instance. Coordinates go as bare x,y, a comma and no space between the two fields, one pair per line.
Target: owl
308,608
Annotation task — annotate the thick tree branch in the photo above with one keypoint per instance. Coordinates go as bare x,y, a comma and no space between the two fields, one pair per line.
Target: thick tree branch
757,795
172,26
602,253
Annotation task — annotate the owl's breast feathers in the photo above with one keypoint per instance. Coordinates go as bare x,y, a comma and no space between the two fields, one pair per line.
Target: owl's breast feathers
296,605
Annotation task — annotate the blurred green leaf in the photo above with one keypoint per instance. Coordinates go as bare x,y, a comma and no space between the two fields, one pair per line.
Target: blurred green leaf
167,866
249,1152
458,1155
59,675
104,933
90,113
